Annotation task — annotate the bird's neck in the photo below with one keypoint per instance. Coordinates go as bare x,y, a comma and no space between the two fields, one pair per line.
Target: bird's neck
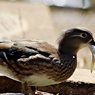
68,63
70,50
67,58
67,54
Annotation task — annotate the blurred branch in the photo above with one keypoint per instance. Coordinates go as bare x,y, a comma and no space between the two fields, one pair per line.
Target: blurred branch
71,87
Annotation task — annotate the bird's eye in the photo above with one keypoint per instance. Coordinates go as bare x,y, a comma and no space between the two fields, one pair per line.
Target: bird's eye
83,35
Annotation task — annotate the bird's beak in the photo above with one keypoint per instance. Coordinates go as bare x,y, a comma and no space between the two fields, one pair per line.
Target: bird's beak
92,48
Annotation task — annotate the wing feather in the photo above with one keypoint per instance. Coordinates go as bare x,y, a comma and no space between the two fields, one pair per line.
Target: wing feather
26,50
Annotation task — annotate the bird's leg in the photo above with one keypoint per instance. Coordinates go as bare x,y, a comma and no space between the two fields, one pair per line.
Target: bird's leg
25,88
33,90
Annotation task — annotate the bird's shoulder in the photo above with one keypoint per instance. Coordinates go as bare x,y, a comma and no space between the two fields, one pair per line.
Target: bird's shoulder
37,46
32,48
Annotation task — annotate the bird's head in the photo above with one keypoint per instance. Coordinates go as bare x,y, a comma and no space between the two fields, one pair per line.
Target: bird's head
74,39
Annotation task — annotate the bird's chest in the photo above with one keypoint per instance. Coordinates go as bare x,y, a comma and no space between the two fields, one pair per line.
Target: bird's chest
68,65
55,75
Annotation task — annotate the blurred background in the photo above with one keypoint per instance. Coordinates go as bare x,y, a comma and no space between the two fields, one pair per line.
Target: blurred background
46,20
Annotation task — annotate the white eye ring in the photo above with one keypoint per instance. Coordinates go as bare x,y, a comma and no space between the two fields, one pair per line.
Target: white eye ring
83,35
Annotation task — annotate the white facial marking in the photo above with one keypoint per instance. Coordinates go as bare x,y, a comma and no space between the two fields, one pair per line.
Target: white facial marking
73,56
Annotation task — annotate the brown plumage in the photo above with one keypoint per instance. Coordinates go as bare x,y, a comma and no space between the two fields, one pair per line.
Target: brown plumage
39,63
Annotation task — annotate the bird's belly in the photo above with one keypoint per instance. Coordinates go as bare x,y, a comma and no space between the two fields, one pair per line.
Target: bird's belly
4,71
39,80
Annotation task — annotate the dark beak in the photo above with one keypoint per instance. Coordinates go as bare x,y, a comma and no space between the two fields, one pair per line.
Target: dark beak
92,48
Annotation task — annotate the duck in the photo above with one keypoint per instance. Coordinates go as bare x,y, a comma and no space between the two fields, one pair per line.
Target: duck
39,63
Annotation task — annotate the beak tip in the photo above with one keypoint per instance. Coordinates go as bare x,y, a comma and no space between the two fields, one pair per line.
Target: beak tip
92,47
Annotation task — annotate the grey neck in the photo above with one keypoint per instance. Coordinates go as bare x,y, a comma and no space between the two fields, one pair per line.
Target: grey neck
68,61
68,64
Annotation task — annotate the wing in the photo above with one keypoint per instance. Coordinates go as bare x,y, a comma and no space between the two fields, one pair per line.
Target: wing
23,58
27,50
